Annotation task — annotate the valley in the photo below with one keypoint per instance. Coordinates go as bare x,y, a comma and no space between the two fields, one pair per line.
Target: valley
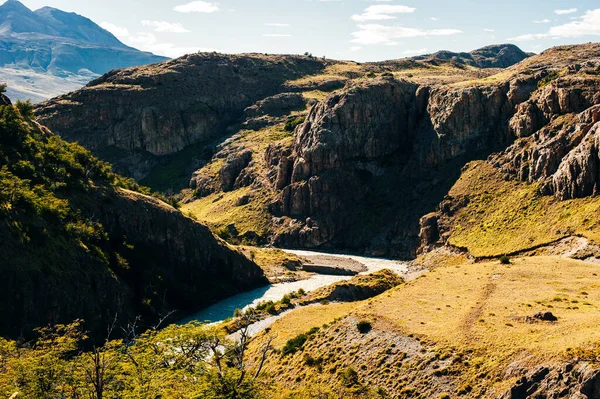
261,225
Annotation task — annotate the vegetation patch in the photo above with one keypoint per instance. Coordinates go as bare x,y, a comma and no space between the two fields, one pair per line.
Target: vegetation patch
507,216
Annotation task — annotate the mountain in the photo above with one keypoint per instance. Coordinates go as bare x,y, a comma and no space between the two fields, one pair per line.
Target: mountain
277,132
494,56
77,242
487,178
48,52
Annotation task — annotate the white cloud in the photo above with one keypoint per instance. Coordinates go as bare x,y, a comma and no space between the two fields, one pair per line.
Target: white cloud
164,26
146,41
278,25
197,6
568,11
114,29
277,35
489,30
382,12
542,21
381,34
434,19
586,25
355,48
415,52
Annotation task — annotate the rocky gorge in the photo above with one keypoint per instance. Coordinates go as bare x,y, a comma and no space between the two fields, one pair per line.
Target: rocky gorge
362,164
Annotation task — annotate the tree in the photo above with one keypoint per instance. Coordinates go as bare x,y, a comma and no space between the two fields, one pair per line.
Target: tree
26,109
3,87
100,365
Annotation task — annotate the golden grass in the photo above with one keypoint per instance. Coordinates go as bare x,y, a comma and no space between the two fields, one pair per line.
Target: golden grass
220,209
473,311
318,95
481,305
442,74
303,319
509,216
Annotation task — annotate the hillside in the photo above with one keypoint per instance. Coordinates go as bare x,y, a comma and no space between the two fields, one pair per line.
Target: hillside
241,149
77,243
463,330
48,52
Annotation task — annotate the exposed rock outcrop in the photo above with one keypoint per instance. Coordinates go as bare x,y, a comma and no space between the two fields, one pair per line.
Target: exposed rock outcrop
161,109
73,245
579,381
383,132
559,141
494,56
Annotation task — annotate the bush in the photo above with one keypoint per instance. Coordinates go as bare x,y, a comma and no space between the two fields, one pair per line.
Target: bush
25,109
292,123
294,345
3,87
364,327
286,300
349,377
223,233
505,260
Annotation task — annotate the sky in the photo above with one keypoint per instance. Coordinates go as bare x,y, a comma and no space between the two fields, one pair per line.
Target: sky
360,30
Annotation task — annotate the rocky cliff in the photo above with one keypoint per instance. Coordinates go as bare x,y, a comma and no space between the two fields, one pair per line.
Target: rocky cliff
376,146
142,114
76,242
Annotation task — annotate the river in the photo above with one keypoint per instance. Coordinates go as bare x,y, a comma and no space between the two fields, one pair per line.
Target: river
275,292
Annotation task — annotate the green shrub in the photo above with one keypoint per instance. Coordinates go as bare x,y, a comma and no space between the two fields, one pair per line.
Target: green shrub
505,260
294,345
349,377
223,233
292,123
25,109
364,327
548,79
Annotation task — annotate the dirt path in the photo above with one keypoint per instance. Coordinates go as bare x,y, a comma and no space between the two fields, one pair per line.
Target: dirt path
475,314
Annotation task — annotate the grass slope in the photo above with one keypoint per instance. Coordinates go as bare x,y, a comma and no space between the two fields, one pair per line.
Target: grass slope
453,332
507,216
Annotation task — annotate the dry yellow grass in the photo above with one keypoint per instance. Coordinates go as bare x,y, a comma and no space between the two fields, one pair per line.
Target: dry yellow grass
481,306
509,216
303,319
315,95
221,209
473,311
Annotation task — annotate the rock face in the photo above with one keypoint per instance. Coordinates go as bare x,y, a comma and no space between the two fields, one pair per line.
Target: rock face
73,245
559,141
374,135
569,381
174,264
141,114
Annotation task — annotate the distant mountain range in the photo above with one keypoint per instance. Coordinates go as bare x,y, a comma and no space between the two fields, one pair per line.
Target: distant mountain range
48,52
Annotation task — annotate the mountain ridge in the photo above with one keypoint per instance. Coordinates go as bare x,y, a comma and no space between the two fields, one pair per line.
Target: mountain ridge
44,49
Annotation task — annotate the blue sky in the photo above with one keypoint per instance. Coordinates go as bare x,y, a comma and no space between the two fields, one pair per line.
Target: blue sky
362,30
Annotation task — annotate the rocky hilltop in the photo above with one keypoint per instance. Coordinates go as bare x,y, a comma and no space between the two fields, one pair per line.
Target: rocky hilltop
77,243
317,153
142,114
494,56
231,119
